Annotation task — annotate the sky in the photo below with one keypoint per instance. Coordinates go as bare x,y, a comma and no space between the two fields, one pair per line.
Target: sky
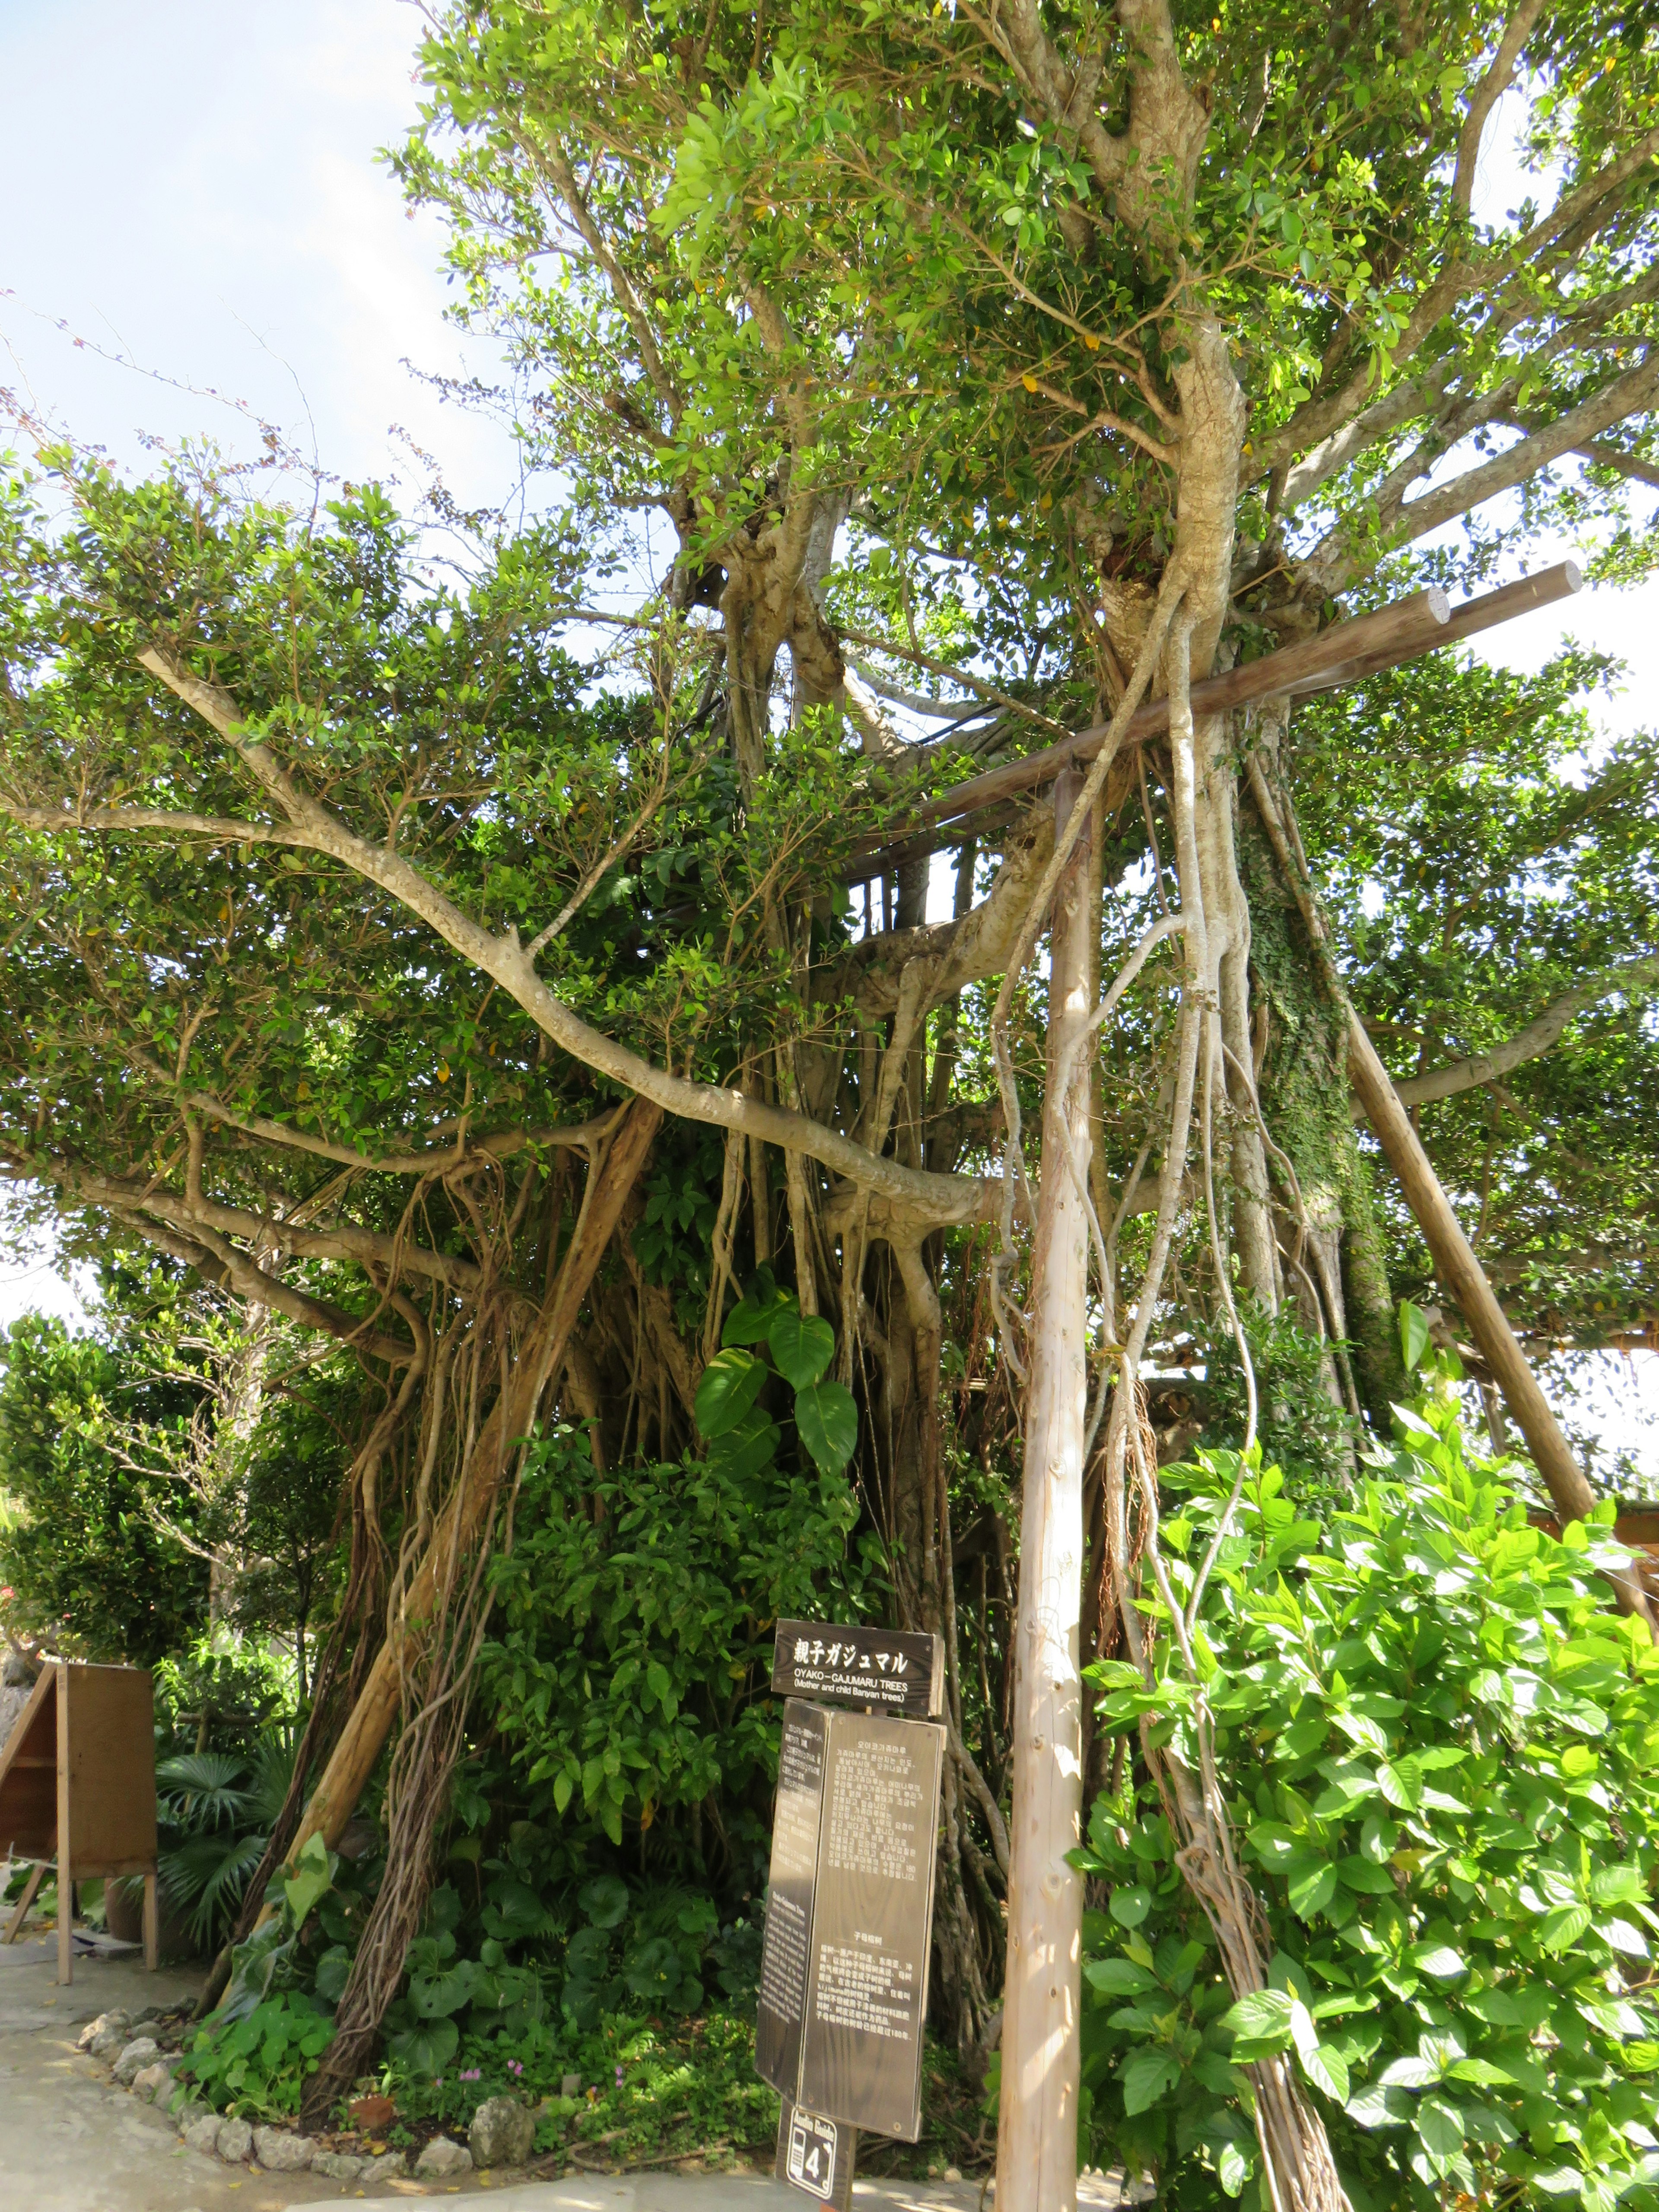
193,188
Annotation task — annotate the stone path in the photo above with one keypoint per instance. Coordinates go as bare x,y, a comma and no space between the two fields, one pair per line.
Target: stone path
70,2141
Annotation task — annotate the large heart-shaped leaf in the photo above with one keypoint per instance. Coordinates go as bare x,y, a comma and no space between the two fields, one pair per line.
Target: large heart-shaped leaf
745,1449
730,1384
829,1424
427,2049
435,1996
748,1322
803,1345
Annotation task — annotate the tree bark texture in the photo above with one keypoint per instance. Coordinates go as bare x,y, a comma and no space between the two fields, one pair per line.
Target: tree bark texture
1037,2128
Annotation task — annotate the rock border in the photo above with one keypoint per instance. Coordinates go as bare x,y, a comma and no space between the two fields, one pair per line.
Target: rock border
139,2063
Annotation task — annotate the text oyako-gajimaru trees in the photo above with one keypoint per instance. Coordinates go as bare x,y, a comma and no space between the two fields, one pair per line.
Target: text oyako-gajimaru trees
998,366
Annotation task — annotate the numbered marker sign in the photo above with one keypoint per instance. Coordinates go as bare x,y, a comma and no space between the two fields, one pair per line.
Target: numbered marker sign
815,2156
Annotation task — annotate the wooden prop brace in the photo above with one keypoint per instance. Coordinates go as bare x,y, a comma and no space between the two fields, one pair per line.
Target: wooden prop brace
1342,654
77,1786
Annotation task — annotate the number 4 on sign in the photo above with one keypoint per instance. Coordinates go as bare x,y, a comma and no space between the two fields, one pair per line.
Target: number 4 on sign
815,2157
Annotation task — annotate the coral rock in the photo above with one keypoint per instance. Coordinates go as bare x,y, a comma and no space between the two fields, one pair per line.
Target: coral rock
134,2058
283,2153
108,2032
235,2141
442,2159
503,2133
153,2084
338,2168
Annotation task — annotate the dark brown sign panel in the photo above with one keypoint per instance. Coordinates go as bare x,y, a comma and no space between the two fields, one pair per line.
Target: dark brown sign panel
785,1953
890,1668
844,1972
815,2155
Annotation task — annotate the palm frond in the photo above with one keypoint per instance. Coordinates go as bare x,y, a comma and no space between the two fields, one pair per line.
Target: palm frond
201,1788
271,1772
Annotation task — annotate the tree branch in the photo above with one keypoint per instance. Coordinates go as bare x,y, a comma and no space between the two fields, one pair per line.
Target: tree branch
1485,96
1330,566
932,1198
1636,978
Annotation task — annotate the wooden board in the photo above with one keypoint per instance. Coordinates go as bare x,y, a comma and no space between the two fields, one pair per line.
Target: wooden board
887,1670
28,1776
111,1767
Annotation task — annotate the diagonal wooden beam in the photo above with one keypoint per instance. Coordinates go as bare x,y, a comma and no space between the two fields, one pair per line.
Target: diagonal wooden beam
1342,654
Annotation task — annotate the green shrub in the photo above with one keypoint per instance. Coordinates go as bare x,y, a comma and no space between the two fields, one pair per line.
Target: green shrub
629,1673
254,2068
1438,1743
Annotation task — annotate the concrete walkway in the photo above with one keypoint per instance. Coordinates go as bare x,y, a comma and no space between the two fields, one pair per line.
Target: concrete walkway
71,2142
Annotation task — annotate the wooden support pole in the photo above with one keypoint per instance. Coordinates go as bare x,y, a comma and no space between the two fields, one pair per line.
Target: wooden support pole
14,1926
1466,1279
1454,1256
334,1800
1342,654
1037,2115
65,1870
152,1924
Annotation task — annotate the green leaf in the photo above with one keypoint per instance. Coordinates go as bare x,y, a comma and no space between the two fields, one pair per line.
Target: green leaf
1402,1784
312,1874
802,1344
730,1384
1119,1978
1328,2070
604,1901
1440,2130
749,1322
427,2049
1232,2169
1262,2021
1312,1887
1563,1928
827,1421
743,1451
1413,1333
1438,1960
1145,2075
1131,1906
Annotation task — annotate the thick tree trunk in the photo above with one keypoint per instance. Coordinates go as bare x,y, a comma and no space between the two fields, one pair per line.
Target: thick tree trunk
1037,2127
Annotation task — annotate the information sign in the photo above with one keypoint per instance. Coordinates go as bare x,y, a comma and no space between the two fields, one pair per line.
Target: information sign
889,1669
843,1989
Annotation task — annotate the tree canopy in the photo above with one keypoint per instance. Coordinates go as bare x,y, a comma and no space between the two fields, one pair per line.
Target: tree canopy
985,372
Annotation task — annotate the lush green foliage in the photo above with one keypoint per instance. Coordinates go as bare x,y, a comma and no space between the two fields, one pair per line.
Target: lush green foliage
215,1811
1490,855
629,1665
255,2067
1439,1743
80,1549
